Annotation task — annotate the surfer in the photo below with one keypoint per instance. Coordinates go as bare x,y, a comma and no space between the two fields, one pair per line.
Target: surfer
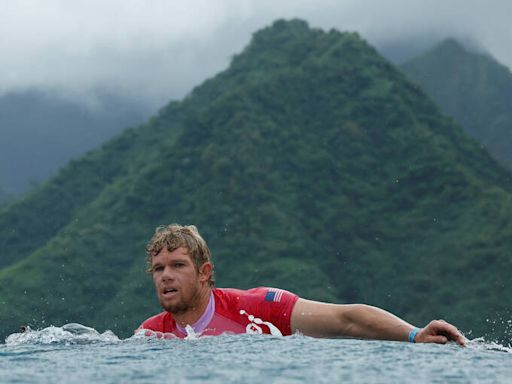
180,263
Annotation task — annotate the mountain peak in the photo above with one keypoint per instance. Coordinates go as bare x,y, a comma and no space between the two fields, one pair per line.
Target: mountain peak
454,49
450,45
296,26
290,42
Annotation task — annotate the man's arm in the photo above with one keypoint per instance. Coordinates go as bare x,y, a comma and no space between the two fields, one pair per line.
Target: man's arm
317,319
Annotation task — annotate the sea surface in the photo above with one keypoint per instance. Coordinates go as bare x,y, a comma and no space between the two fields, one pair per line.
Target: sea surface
78,354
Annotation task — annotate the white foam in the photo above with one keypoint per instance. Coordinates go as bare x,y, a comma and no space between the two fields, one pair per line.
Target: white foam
72,333
481,344
191,334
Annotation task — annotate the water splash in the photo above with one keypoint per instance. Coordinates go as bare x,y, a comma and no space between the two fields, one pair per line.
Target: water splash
147,334
481,344
72,333
191,334
500,329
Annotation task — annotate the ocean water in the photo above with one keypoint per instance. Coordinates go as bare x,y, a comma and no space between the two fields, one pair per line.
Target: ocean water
77,354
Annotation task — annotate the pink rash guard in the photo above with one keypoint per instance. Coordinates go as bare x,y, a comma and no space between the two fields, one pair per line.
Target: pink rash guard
257,310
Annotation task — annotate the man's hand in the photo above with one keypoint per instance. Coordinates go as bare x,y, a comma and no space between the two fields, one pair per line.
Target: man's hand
440,332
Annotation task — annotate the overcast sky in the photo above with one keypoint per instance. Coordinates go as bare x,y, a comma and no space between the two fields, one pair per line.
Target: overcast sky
157,50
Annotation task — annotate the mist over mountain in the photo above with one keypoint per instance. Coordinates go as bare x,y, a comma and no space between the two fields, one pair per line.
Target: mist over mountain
471,87
40,132
162,49
407,48
4,196
311,163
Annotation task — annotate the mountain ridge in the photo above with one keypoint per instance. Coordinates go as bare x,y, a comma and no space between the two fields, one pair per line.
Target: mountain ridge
42,131
473,88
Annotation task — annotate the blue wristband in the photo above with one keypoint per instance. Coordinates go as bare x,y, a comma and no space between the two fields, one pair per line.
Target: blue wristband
412,334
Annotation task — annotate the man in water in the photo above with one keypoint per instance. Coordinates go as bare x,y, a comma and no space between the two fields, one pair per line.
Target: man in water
180,262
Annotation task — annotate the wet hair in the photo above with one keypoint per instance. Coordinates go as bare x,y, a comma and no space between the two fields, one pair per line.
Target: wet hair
174,236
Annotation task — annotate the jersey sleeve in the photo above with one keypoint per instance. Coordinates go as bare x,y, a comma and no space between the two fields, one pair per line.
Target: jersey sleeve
273,305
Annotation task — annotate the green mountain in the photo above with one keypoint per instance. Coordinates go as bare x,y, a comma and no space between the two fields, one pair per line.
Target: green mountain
311,164
40,132
472,88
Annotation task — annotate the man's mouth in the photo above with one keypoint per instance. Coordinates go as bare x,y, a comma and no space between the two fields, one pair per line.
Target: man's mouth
169,291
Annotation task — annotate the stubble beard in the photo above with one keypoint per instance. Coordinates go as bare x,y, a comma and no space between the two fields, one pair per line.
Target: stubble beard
183,305
175,309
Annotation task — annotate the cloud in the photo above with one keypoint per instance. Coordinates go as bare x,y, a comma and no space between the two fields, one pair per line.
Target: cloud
158,50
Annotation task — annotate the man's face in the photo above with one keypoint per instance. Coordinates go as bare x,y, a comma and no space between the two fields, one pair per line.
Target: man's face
177,283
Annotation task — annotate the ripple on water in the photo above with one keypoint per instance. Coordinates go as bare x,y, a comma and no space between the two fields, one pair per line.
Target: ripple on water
80,354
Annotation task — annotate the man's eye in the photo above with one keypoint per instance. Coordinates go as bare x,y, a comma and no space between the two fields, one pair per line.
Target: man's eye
179,265
158,268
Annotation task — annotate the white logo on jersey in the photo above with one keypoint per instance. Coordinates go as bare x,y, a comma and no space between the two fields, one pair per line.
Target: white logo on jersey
254,326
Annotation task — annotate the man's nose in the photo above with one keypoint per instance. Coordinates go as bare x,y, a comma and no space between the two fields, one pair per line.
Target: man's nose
167,274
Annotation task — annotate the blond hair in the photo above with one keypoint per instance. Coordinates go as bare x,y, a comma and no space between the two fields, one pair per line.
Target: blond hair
174,236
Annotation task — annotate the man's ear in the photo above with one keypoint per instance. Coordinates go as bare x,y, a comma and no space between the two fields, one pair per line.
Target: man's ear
205,272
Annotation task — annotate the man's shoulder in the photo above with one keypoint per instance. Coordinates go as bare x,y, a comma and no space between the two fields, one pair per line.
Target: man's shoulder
258,294
156,322
239,293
